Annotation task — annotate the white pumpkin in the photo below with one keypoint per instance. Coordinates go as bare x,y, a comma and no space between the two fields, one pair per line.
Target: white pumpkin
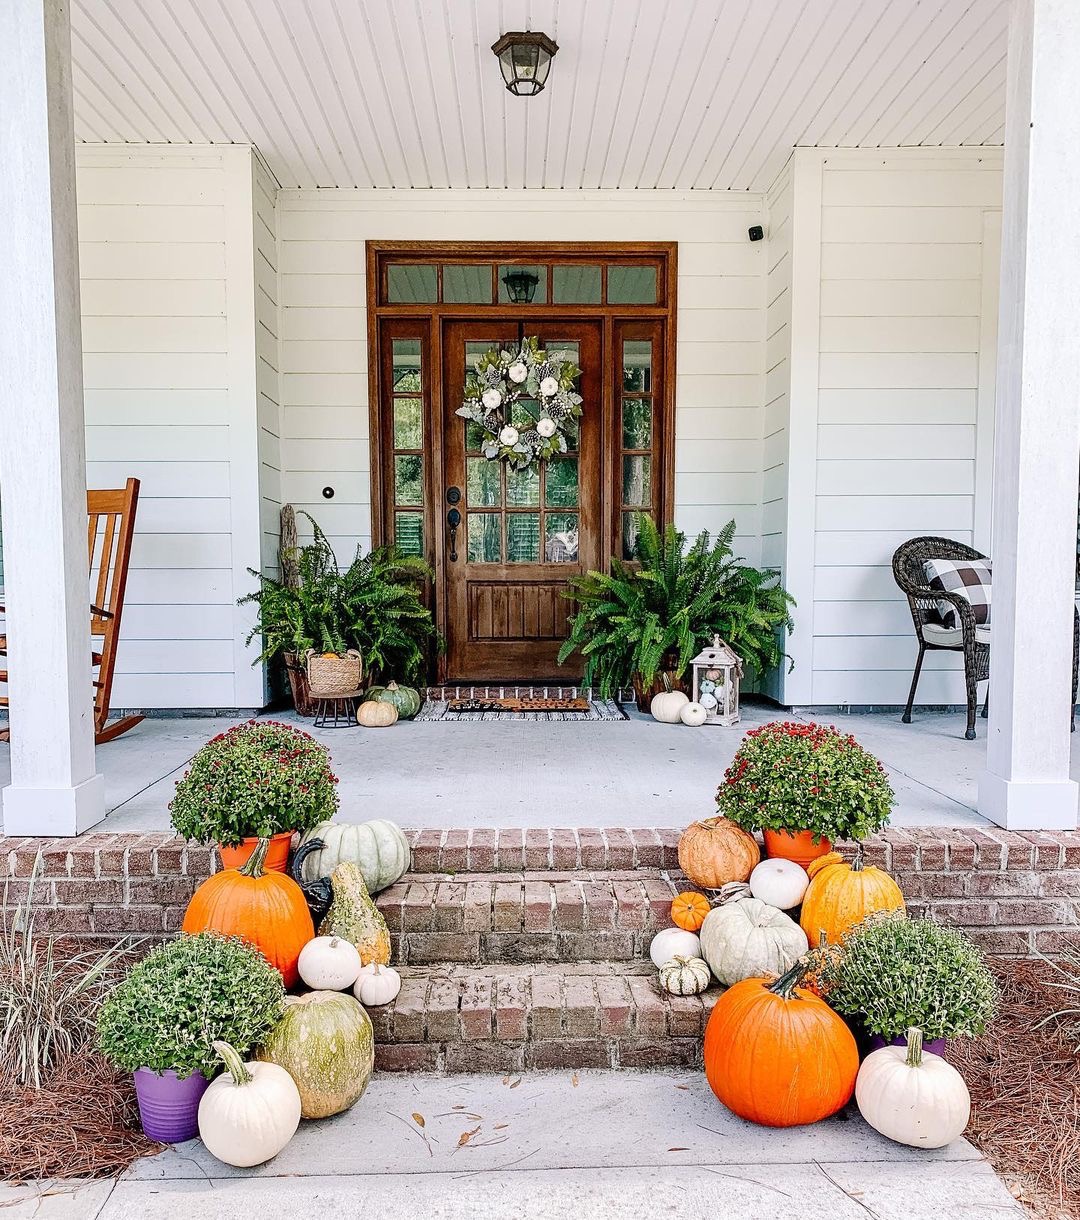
250,1112
329,963
685,976
747,938
379,848
780,883
667,706
673,942
377,985
913,1098
708,701
693,714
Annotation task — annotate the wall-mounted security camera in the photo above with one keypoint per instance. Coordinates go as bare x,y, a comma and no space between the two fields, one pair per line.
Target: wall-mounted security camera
755,233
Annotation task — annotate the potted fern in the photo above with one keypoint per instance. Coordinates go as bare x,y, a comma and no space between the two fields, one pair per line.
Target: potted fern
641,625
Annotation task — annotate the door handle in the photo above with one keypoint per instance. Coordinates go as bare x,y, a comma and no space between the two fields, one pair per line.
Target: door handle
453,520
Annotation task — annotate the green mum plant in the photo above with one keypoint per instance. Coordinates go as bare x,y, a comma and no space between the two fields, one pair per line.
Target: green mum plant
258,779
893,973
184,995
791,776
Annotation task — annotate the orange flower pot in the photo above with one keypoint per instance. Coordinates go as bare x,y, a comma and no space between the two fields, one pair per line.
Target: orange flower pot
277,854
798,846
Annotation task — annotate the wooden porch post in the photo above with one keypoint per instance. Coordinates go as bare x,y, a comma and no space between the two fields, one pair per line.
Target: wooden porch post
1026,783
54,787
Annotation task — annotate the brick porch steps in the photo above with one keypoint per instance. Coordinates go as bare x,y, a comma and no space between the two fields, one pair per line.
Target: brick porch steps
565,1015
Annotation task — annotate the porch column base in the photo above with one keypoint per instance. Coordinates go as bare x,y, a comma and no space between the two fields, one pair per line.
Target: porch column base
46,813
1028,804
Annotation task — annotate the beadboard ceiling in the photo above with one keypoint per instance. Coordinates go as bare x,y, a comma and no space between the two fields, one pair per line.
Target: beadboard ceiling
670,94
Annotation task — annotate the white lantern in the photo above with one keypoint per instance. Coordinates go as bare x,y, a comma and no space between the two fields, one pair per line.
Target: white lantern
717,673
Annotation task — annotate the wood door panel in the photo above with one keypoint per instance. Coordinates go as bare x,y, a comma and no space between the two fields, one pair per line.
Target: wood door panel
517,612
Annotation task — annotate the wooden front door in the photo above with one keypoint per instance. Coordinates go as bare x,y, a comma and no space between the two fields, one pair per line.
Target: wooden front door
521,534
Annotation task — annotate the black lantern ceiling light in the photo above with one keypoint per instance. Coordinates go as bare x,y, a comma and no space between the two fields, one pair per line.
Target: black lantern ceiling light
521,286
525,60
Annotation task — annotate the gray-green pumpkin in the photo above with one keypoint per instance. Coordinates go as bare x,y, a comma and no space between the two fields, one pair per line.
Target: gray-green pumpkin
378,848
404,698
327,1045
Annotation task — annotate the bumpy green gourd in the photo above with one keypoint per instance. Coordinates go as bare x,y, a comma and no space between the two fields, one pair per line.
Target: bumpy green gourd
354,917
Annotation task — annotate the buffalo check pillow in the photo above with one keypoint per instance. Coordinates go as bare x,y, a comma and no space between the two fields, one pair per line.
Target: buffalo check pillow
968,577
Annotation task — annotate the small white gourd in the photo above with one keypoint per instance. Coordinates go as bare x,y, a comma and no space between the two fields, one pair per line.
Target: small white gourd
329,963
780,883
249,1112
667,706
673,942
746,938
911,1097
377,985
693,714
708,701
685,976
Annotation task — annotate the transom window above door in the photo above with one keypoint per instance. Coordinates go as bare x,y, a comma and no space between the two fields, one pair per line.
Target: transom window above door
577,282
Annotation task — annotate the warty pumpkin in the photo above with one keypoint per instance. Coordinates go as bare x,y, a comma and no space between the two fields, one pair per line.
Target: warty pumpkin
268,910
689,909
714,851
776,1054
840,895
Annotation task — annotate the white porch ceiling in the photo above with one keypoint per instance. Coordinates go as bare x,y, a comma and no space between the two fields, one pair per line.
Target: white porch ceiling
676,94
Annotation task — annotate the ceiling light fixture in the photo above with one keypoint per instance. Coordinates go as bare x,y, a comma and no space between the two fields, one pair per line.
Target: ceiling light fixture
525,60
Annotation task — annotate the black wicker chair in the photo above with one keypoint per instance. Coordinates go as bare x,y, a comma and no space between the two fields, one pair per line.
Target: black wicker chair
972,640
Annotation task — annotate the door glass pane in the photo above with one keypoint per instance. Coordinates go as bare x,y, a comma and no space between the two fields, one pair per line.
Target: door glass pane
637,366
467,285
406,374
409,533
631,285
523,487
637,423
408,479
561,488
527,285
408,423
484,486
474,436
411,284
523,537
572,431
630,533
485,537
637,479
561,538
575,285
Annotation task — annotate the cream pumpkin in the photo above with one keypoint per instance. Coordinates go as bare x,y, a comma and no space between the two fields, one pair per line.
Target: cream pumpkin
249,1112
673,942
374,714
377,985
667,706
693,714
329,963
747,938
780,883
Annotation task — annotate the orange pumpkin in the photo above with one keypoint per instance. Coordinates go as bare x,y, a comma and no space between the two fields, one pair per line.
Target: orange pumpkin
689,909
840,895
715,851
776,1054
268,910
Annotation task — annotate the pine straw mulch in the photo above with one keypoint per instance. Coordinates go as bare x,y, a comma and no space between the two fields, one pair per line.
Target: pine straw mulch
1025,1091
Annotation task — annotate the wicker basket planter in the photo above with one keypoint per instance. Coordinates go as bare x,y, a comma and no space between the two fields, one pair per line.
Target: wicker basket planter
333,674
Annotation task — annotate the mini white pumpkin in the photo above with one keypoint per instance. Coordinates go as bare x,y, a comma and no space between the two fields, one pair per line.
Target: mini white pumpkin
250,1112
685,976
546,427
509,435
518,372
491,398
913,1098
780,883
706,687
673,942
693,714
329,963
549,386
377,985
746,938
667,706
708,701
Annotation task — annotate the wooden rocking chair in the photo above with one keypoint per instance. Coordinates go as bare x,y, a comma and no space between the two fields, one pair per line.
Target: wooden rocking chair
110,527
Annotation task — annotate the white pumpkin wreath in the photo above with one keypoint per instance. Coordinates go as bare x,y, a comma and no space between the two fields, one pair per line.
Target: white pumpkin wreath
500,377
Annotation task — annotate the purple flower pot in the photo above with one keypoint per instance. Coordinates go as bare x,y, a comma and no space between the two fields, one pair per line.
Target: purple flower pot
937,1047
168,1107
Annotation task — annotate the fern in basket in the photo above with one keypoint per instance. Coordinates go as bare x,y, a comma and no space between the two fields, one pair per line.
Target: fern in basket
658,612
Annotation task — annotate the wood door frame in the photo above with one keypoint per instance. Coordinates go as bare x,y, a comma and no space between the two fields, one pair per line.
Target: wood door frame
425,322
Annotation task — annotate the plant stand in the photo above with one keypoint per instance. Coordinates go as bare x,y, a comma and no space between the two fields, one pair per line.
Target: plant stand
336,711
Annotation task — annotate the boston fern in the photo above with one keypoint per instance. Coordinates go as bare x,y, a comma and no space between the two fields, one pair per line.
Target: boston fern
672,600
374,605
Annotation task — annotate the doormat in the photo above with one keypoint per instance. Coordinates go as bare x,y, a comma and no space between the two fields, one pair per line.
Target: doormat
516,703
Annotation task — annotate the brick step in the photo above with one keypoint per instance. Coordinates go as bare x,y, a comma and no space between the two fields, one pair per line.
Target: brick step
477,919
598,1014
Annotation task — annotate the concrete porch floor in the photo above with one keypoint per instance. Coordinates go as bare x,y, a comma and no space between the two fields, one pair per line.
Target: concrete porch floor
515,773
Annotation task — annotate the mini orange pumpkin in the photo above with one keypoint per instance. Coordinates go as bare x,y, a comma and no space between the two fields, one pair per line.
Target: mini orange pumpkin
689,909
777,1054
268,910
714,851
840,895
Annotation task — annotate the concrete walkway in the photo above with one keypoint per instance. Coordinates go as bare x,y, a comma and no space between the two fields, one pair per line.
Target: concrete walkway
599,1145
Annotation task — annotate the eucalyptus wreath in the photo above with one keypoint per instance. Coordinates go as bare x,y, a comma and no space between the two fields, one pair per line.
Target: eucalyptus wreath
502,376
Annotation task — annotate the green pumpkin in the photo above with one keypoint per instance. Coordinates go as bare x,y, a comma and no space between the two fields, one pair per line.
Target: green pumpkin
404,698
326,1043
378,847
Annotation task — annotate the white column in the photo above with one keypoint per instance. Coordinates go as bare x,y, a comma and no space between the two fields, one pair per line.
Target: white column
1026,783
54,788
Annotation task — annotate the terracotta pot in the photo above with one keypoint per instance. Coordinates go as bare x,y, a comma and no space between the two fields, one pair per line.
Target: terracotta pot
169,1107
298,684
798,846
643,695
277,854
